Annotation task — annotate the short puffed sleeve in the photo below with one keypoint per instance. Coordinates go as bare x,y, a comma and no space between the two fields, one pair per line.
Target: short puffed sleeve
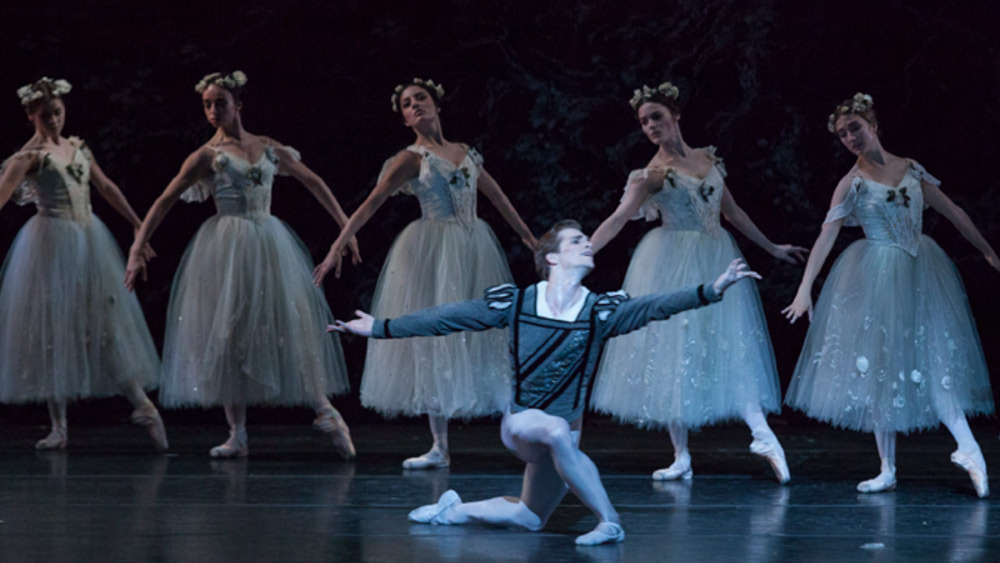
716,160
923,175
24,193
648,209
283,152
845,209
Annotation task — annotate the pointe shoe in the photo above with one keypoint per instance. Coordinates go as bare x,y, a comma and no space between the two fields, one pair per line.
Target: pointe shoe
433,459
975,465
333,425
766,445
436,513
885,481
149,417
680,469
605,532
235,446
56,440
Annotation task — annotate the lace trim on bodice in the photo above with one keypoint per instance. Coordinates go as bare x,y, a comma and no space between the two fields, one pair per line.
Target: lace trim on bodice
66,189
887,214
241,181
683,202
460,181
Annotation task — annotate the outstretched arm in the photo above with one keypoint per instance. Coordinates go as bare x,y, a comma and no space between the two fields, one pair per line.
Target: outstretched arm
403,167
958,217
198,165
638,190
473,315
113,195
637,313
492,191
739,219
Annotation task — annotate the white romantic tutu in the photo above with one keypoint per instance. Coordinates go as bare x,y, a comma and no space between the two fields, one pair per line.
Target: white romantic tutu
699,366
68,327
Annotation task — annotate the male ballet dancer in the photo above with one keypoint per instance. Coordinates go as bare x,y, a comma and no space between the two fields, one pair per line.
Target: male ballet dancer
558,329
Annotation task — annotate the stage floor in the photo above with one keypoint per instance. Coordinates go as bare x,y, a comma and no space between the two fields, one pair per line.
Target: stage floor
111,498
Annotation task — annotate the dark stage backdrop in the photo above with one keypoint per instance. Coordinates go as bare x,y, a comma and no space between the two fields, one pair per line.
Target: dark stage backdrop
541,89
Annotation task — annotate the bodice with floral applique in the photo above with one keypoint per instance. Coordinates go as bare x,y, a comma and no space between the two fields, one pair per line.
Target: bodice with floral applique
445,191
238,186
685,203
890,215
59,187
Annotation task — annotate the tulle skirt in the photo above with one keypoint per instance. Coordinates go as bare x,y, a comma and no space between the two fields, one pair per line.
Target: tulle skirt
68,327
456,376
245,323
699,366
892,344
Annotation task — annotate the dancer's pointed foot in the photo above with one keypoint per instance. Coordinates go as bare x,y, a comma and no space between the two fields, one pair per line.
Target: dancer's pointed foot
680,469
436,513
332,424
886,481
56,440
149,417
766,445
975,466
434,459
235,446
605,532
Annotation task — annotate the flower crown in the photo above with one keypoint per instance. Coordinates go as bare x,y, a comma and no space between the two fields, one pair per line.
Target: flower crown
860,103
428,84
31,92
228,81
646,94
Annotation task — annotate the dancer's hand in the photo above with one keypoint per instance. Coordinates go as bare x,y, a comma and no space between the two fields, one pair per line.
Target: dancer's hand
147,251
333,261
136,267
790,253
736,271
801,305
355,251
531,243
362,325
993,261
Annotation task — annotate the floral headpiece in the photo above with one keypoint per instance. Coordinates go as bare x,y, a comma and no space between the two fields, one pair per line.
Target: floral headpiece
31,92
428,84
646,94
228,81
860,103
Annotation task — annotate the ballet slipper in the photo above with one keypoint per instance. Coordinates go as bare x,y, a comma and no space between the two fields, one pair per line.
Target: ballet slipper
332,424
56,440
680,469
235,446
886,481
975,465
433,459
149,417
605,532
436,513
766,445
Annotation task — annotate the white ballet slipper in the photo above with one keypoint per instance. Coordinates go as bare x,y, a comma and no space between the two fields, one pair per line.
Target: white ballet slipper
235,446
436,513
605,532
975,466
56,440
679,469
433,459
148,417
886,481
332,424
766,445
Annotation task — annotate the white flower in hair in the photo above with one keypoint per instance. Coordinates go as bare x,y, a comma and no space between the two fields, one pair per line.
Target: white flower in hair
644,94
429,84
860,103
230,82
31,92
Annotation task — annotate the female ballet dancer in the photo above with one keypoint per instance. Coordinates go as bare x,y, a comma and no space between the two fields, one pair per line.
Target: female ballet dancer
892,345
449,254
70,330
241,324
712,364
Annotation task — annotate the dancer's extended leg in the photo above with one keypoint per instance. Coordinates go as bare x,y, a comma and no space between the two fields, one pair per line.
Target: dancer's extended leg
886,479
968,456
145,414
330,422
437,457
236,445
765,443
681,467
58,436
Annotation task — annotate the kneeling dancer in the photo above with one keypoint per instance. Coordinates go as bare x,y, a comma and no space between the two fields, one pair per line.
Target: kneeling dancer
558,329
